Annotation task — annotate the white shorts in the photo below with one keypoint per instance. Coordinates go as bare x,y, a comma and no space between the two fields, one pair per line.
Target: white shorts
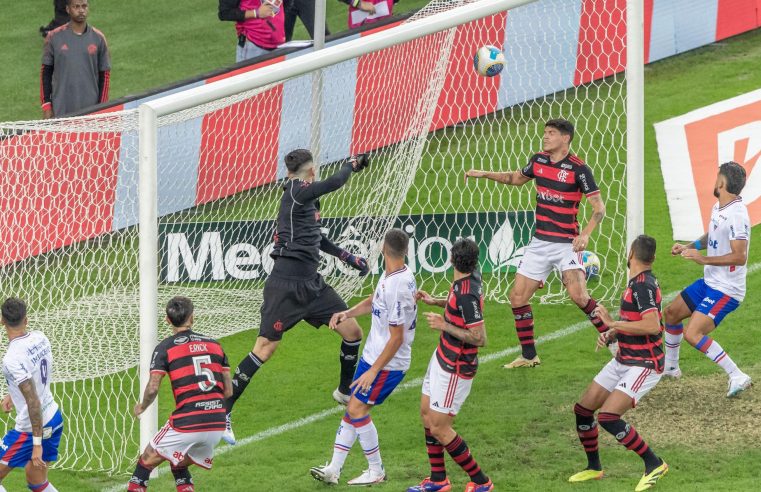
541,257
446,390
635,381
174,446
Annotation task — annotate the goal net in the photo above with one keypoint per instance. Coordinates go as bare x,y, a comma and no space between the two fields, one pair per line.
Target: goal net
69,191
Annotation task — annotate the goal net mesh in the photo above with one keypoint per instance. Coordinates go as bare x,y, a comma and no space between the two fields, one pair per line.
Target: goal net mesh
69,192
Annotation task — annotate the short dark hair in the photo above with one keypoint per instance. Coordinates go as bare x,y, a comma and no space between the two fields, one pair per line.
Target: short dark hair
297,158
465,255
179,309
14,311
643,248
565,127
397,241
735,176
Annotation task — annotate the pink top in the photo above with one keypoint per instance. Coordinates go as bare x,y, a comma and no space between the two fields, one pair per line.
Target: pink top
266,33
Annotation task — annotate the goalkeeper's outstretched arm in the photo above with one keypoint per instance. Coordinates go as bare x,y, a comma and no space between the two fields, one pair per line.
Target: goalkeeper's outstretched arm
337,180
515,178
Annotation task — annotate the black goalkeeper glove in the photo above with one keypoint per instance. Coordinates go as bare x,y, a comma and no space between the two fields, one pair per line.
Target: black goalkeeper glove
356,262
359,162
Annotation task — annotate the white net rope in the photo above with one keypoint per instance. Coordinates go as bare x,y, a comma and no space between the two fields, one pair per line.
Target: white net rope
69,196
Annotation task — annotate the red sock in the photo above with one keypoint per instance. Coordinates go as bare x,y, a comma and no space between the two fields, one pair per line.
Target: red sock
435,457
524,325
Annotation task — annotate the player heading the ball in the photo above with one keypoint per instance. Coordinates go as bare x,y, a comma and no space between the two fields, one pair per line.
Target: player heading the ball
295,291
384,362
627,378
28,370
562,178
721,290
200,376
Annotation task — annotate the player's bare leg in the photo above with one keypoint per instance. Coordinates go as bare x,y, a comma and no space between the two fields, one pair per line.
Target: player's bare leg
696,334
593,398
610,419
37,478
149,460
351,334
676,312
576,285
520,295
4,471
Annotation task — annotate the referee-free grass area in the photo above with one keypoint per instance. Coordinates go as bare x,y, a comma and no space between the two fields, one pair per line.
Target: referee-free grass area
520,425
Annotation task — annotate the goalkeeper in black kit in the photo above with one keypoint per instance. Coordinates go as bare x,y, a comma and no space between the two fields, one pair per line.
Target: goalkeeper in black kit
295,291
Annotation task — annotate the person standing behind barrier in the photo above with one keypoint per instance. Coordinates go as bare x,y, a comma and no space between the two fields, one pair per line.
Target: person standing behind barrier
304,10
260,25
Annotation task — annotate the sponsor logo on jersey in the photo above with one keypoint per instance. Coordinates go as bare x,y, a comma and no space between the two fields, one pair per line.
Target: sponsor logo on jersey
180,340
549,196
566,166
376,311
207,406
584,184
543,160
476,310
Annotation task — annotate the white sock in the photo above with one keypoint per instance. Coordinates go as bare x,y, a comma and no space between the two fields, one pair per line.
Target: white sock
368,439
345,438
2,489
674,335
713,351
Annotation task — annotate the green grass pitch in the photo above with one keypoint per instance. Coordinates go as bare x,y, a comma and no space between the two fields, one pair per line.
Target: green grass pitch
520,425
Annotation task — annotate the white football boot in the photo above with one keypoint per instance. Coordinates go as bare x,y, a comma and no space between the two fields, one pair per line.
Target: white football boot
325,474
738,383
369,477
228,435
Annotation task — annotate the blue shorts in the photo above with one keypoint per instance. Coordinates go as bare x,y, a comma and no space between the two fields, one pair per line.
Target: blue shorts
385,382
711,302
17,446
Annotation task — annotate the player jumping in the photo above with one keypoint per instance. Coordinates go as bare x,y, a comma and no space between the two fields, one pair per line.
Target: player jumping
295,291
721,290
561,179
636,369
28,369
451,371
200,376
385,359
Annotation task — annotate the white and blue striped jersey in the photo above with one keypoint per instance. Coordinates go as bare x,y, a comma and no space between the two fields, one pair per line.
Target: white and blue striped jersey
393,304
728,223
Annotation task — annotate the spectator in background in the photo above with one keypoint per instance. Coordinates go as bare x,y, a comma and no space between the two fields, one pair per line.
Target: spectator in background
76,65
260,25
363,12
304,9
60,17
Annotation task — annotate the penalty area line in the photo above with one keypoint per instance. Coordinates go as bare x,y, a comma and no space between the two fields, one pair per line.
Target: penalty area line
414,383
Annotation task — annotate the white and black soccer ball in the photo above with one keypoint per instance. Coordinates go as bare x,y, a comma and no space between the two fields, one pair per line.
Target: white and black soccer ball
592,265
489,61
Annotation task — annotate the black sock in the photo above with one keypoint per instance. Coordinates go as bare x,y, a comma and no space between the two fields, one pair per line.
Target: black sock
141,475
181,476
243,374
349,359
586,427
630,438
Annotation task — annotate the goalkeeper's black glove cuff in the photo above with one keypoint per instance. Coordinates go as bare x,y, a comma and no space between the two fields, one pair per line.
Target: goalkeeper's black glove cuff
356,262
359,162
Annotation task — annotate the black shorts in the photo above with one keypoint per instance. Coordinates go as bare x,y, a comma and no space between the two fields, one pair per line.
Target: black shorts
289,300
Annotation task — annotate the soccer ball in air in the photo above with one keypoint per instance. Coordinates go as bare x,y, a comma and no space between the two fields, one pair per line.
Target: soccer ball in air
591,263
489,61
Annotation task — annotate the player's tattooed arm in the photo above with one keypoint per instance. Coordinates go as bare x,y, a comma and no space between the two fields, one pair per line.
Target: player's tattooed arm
476,335
515,178
33,404
151,391
581,241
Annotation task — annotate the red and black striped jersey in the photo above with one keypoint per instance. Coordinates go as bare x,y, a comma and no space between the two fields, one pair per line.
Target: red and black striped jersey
642,296
559,187
464,309
195,364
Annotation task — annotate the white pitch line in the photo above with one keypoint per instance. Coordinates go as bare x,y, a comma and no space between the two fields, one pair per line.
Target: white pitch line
414,383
